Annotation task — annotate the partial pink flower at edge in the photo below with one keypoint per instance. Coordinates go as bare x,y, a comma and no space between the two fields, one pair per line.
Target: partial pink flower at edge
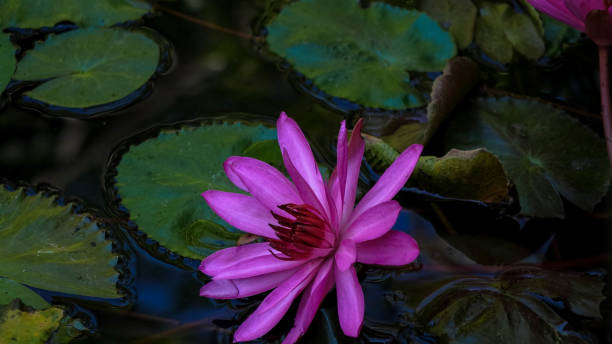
314,233
571,12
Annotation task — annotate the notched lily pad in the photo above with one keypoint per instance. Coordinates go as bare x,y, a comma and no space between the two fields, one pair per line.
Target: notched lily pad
7,60
49,246
33,14
160,181
89,67
543,150
372,63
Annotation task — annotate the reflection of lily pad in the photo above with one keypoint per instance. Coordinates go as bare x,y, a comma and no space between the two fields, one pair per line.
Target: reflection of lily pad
544,151
49,246
86,68
7,60
160,181
10,290
363,55
32,14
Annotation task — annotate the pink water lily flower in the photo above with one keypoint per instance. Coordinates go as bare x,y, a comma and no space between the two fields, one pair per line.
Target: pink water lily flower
313,232
571,12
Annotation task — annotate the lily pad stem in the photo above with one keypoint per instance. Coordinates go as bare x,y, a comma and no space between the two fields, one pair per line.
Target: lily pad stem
606,107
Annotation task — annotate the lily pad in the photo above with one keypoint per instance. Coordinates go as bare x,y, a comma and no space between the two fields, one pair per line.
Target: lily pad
10,290
557,35
543,150
7,60
457,16
22,326
367,56
160,181
49,246
33,14
501,31
89,67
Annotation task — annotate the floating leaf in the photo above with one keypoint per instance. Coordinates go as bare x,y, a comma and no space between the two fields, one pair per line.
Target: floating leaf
364,55
49,246
7,60
460,75
543,150
557,35
10,290
160,181
89,67
33,14
21,326
457,16
500,31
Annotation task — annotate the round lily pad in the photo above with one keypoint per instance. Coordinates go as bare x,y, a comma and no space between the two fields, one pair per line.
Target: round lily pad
7,60
367,56
32,14
89,67
160,181
49,246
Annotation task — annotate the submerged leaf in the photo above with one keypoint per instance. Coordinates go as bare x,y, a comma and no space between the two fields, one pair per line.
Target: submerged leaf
363,55
49,246
160,181
7,60
90,67
33,14
543,150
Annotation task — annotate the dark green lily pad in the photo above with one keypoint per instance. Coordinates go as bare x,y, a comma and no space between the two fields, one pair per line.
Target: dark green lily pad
558,35
7,60
501,32
33,14
49,246
89,67
160,181
10,290
363,55
457,16
543,150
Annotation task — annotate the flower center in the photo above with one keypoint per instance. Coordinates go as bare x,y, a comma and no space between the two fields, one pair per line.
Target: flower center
302,237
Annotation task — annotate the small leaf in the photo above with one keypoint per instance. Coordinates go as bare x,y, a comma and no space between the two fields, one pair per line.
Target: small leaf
7,60
10,290
160,181
89,67
543,150
33,14
457,16
367,56
49,246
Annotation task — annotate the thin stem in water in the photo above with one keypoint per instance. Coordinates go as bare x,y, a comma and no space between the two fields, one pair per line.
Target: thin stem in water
606,107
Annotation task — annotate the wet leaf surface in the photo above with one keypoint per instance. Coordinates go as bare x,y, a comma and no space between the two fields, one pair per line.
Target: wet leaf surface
50,246
543,150
86,68
370,63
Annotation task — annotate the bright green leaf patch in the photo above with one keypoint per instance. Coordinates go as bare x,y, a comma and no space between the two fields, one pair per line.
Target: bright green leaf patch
363,55
33,14
7,60
90,67
22,326
49,246
10,290
543,150
161,180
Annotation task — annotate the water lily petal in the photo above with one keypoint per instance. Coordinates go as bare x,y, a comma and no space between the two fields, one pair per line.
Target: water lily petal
231,175
392,180
392,249
374,222
292,141
241,211
346,254
581,8
245,261
356,148
311,299
244,287
337,181
350,301
558,10
270,187
275,305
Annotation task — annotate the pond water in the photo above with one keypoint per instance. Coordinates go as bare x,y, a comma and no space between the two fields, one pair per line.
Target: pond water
542,273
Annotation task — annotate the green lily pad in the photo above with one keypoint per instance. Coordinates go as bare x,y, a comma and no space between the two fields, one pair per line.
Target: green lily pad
33,14
558,35
457,16
460,75
10,290
21,326
49,246
161,179
364,55
543,150
501,31
7,60
89,67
